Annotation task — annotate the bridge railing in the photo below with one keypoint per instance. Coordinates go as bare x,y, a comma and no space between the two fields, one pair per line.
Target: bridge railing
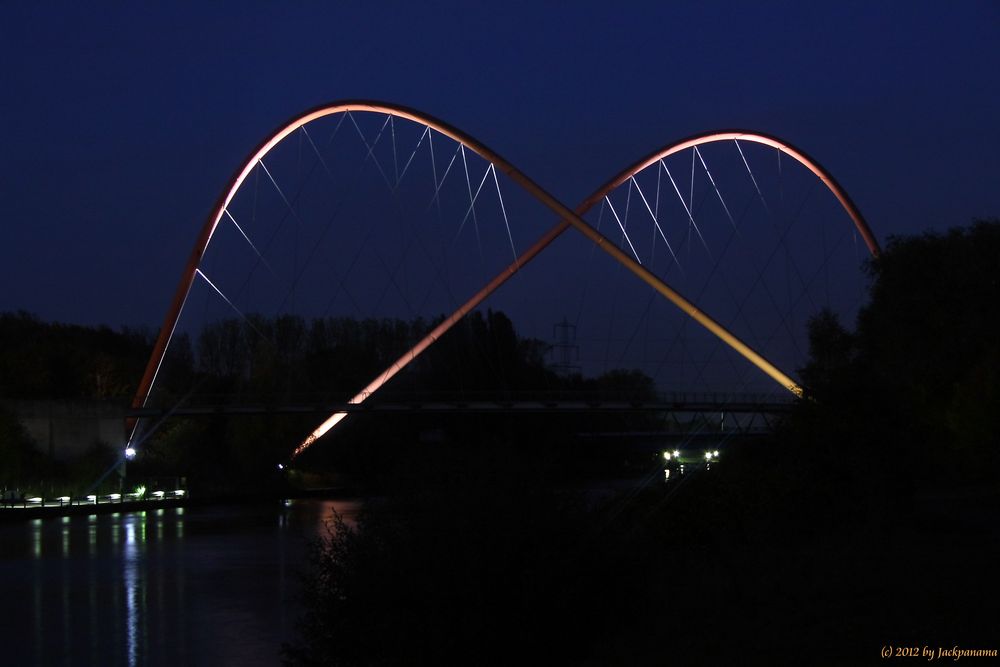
719,398
471,401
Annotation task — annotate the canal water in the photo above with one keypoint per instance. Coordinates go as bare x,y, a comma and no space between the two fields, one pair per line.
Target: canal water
172,586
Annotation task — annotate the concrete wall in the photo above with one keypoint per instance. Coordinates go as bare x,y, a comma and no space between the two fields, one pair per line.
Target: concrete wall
66,429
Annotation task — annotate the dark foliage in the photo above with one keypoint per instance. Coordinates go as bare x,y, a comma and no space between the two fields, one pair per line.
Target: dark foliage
915,386
289,361
20,463
869,519
52,361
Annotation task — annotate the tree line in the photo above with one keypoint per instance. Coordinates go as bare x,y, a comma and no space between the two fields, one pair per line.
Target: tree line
868,517
284,360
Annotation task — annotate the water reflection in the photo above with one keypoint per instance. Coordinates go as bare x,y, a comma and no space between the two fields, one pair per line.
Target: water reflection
164,587
92,535
131,566
36,537
65,537
36,550
93,614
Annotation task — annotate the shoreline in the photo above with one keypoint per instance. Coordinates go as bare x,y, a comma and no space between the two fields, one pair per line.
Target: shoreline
15,514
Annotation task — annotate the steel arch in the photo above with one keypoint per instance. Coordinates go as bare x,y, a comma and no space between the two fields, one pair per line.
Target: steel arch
676,298
567,218
208,229
754,137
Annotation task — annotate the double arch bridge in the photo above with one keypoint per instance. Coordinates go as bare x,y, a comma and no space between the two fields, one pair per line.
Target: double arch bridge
625,254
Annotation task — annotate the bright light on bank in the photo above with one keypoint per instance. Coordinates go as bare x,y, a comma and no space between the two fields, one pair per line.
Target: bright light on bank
158,494
666,455
92,498
677,453
115,496
179,492
716,453
130,453
36,499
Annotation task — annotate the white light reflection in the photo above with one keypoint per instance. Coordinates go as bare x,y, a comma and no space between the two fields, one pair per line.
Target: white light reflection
39,580
65,537
65,586
94,617
92,534
131,564
36,538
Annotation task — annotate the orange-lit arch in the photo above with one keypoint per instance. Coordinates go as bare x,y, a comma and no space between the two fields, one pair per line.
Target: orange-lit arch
753,137
208,229
657,284
567,218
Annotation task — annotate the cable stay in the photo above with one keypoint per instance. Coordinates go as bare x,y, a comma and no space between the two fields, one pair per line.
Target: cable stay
438,185
471,210
716,188
406,167
622,227
503,209
472,200
395,163
803,293
247,238
686,209
782,232
371,147
232,305
656,223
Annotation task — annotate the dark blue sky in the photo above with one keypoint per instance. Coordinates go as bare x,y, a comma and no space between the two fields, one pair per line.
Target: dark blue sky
123,122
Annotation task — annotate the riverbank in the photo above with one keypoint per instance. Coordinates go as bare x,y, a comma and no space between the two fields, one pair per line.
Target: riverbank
28,512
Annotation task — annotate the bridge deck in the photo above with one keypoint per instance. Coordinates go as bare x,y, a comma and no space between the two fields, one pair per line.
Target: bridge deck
749,404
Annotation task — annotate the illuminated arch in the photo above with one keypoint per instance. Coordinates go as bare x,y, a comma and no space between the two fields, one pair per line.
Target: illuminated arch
205,237
566,217
753,137
566,221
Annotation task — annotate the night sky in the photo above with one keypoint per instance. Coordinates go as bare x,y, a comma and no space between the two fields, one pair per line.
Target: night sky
123,122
